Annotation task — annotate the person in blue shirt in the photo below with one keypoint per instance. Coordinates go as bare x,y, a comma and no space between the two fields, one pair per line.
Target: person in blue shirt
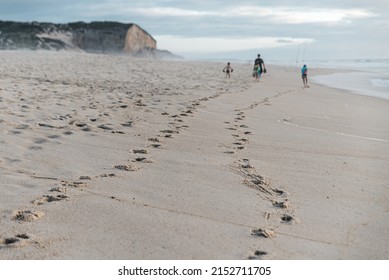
304,73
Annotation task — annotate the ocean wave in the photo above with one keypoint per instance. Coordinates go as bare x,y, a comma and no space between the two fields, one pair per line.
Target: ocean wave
365,65
357,82
380,83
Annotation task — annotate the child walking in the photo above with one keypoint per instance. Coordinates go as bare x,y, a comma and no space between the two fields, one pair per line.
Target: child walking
228,70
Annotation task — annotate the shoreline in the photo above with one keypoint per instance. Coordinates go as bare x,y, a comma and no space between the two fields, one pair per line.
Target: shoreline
104,157
363,83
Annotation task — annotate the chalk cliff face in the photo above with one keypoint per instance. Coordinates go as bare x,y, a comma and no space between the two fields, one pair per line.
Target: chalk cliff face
137,40
96,37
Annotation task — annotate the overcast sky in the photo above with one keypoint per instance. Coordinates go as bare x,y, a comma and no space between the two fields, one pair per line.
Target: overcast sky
280,29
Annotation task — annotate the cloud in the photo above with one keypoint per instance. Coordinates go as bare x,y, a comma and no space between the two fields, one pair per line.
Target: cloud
180,44
310,15
173,12
286,41
338,27
288,15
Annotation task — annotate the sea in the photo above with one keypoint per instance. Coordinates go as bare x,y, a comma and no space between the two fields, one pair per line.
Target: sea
359,76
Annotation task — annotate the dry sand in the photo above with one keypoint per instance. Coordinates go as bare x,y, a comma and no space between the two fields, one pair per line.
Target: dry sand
111,157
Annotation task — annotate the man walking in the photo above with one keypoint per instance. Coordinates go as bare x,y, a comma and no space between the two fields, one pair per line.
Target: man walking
259,67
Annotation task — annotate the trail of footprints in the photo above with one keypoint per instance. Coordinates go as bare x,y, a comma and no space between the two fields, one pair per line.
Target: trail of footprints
176,124
93,117
64,191
281,210
35,213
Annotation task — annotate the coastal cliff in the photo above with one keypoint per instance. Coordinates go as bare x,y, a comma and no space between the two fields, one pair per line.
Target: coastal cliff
137,40
94,37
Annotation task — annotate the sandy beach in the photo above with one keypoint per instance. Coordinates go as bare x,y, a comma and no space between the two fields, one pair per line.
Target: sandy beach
113,157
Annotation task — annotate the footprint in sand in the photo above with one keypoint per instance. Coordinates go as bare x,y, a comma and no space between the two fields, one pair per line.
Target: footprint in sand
266,233
239,118
45,125
139,103
286,218
104,127
118,132
143,160
258,255
50,198
289,219
75,184
168,136
22,126
105,175
157,140
27,215
280,193
40,140
182,126
189,112
127,124
156,146
17,241
58,189
237,145
127,167
281,204
86,129
81,124
140,151
169,131
54,136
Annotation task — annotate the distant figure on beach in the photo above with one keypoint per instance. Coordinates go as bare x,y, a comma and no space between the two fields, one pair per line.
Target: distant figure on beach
304,73
228,70
259,68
